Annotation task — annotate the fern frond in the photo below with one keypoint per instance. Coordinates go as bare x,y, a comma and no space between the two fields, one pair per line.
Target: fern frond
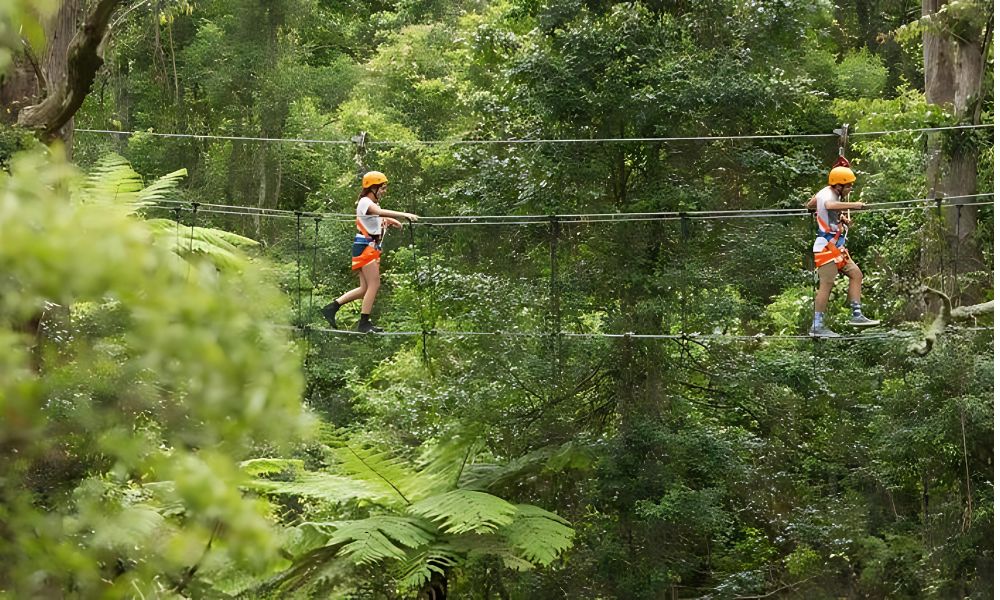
420,566
552,459
375,539
460,511
307,537
216,237
380,470
538,534
320,486
474,545
483,476
112,181
306,570
115,183
221,247
443,464
271,466
571,455
160,189
131,527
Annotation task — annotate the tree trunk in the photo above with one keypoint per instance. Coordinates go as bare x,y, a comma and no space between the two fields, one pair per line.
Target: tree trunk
436,588
28,80
69,70
953,73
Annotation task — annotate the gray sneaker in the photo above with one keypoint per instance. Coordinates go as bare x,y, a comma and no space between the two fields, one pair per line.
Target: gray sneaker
822,332
863,321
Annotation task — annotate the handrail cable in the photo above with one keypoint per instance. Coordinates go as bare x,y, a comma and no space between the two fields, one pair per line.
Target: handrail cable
916,203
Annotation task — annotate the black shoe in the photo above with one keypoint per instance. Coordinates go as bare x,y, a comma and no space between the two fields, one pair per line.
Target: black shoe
368,327
329,313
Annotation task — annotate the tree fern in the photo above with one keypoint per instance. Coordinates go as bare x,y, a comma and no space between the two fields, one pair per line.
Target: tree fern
116,185
112,182
483,476
435,525
539,534
397,482
375,539
443,465
496,546
461,511
320,486
418,568
271,466
214,244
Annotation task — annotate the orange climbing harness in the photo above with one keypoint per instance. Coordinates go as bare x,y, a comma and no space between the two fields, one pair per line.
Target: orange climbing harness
831,252
367,247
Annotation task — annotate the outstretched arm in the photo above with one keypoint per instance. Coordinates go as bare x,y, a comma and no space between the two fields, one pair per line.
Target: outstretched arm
374,209
837,205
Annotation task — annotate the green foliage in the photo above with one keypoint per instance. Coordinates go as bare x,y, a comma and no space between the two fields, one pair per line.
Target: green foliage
375,539
14,140
791,310
461,511
711,467
539,534
439,533
803,562
21,22
131,385
951,18
861,75
113,183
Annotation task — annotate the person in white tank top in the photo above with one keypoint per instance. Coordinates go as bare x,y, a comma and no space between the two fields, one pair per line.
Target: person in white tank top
366,251
830,249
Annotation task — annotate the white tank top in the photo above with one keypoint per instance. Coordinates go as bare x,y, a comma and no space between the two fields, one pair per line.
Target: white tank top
372,223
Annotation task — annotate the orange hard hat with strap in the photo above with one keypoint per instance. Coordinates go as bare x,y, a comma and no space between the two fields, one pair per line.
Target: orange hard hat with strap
373,178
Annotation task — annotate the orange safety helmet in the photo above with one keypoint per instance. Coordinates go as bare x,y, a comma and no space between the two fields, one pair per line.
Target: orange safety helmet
373,178
841,175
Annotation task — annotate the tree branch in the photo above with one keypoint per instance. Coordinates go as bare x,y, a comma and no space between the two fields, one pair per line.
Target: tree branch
190,572
43,85
945,316
83,59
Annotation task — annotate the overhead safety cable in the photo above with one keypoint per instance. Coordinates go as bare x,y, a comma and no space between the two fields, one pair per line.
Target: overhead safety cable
247,138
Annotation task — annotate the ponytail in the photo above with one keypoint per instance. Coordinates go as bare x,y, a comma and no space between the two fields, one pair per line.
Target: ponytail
370,190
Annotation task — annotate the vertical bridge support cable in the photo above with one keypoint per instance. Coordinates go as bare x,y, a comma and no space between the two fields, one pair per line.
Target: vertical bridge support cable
956,288
810,264
177,232
312,273
941,240
194,219
418,284
298,264
312,285
685,283
554,293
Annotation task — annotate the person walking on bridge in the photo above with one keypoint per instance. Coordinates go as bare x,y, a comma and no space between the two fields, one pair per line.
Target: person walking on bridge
830,248
366,252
